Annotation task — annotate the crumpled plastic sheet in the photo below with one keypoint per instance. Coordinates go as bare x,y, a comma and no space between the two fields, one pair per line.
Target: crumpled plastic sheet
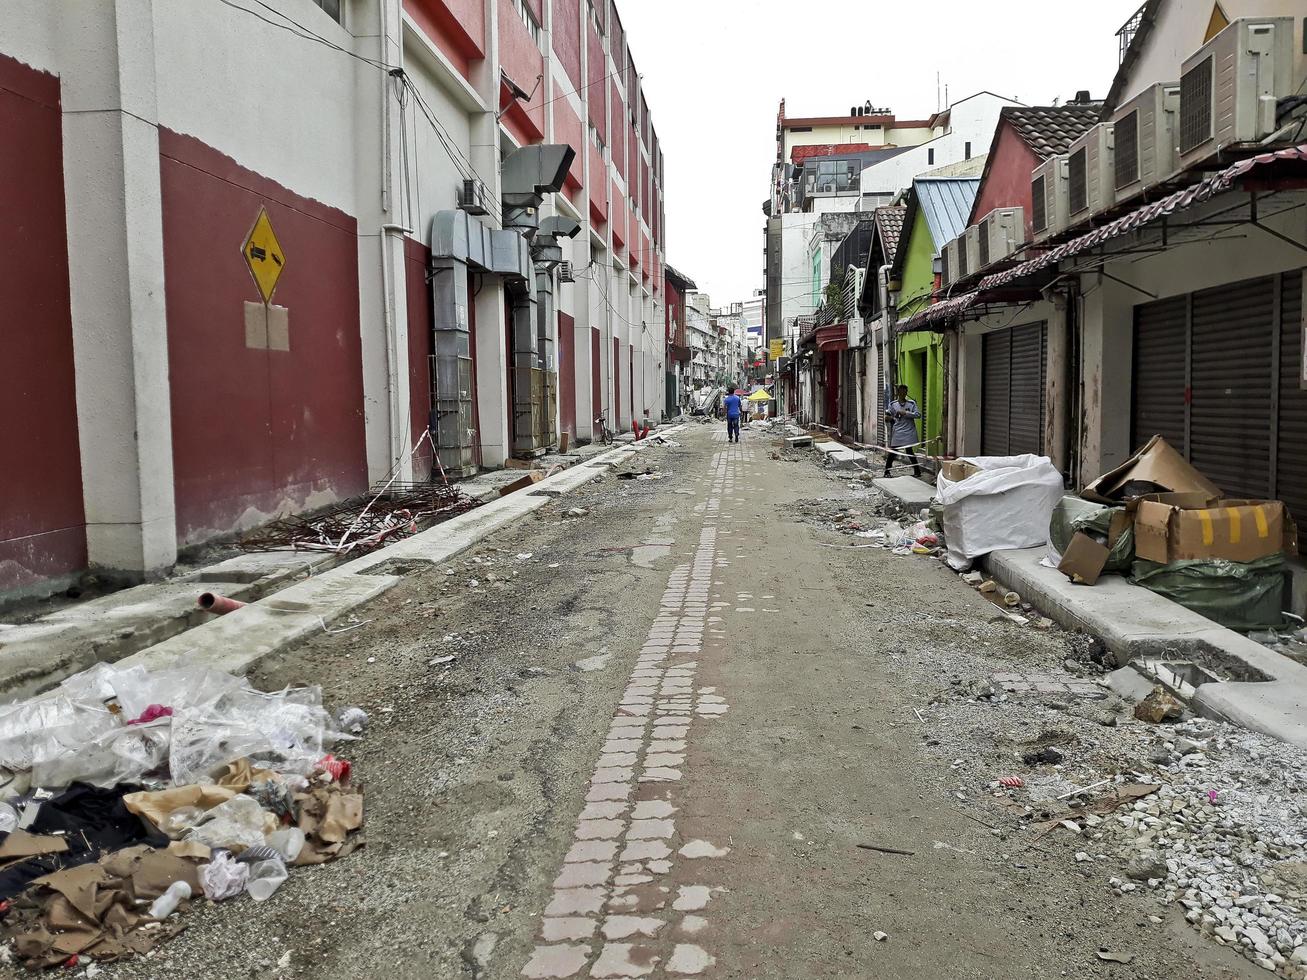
239,822
223,878
79,732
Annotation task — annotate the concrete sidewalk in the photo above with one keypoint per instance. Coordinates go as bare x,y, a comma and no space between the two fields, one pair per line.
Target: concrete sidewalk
1135,623
238,640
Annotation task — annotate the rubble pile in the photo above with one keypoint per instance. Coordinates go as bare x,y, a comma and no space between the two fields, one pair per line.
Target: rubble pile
126,793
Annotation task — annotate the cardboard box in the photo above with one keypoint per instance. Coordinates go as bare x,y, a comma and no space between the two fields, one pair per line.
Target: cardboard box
1156,463
530,480
957,470
564,442
1237,530
1084,559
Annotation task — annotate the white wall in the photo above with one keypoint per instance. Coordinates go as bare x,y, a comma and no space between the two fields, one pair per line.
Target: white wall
971,121
1181,27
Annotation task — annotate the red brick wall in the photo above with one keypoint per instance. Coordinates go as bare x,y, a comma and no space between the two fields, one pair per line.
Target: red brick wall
42,522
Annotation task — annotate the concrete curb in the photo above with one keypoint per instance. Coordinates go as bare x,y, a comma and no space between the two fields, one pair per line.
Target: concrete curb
239,640
1133,622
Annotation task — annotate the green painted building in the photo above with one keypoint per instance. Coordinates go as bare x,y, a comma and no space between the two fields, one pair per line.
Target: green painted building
937,212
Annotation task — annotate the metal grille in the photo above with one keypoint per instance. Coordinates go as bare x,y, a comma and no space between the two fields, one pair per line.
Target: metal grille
1196,105
1078,180
943,266
1127,150
962,258
984,242
1039,203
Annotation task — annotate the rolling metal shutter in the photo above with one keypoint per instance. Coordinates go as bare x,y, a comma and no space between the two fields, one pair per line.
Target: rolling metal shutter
1230,417
1291,434
1012,391
1217,373
995,387
1026,415
1161,373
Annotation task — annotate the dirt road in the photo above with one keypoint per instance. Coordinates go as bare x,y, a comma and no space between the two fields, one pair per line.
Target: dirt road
667,727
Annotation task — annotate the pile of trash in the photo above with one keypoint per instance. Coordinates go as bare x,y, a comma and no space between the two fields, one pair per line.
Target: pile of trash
127,793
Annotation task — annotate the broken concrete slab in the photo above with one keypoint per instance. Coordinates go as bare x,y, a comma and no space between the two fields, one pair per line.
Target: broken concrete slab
913,494
1134,623
798,442
836,454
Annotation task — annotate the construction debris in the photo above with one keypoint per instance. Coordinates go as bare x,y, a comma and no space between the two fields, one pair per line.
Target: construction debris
390,511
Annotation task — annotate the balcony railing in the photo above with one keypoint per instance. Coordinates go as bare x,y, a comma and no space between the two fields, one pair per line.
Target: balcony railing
1128,30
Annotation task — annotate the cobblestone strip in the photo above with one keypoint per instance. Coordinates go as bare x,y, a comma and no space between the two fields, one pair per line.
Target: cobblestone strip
611,914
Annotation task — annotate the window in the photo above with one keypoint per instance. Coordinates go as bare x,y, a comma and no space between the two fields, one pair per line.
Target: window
528,18
331,8
966,150
930,157
596,139
595,18
835,177
801,129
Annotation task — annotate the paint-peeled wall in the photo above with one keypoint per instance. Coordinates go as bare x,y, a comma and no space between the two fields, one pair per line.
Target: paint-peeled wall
42,522
262,423
1007,182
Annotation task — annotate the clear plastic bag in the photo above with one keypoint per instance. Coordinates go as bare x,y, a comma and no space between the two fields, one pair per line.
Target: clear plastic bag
239,822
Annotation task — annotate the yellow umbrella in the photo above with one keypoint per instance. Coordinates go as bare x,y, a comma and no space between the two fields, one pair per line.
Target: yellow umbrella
761,395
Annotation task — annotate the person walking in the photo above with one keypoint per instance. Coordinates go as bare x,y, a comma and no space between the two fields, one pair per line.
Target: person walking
902,416
732,405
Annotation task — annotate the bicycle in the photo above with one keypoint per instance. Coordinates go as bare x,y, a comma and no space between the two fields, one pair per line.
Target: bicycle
601,426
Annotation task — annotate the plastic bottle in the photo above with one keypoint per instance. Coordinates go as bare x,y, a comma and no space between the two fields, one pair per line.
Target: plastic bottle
166,904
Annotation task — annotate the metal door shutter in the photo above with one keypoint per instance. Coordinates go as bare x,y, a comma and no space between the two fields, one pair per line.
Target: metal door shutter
1291,447
995,387
1026,401
1230,404
876,401
1160,372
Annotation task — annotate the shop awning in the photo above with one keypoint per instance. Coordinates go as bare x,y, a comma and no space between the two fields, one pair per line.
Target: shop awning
939,312
833,338
1217,183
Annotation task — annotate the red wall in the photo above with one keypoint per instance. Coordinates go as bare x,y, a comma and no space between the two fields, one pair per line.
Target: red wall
568,129
520,59
598,186
456,27
256,428
567,373
567,38
1007,181
42,523
417,259
619,132
598,69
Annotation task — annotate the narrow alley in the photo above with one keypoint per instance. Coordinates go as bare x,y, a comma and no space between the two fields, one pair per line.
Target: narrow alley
670,736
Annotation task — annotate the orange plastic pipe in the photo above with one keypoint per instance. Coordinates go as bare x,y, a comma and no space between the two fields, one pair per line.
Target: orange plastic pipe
219,605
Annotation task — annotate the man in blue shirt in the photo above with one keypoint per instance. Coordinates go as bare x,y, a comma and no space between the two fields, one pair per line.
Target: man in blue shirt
901,416
732,405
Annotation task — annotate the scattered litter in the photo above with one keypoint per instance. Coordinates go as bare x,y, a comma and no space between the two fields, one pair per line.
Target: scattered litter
1109,957
885,850
1012,782
879,936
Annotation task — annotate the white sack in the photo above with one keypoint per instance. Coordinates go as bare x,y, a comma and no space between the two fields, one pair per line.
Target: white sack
1007,505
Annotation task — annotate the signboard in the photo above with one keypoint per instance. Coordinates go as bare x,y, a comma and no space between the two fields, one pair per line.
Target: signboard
264,256
777,349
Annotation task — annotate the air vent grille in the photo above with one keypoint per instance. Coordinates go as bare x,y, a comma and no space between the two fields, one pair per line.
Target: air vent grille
1039,203
1078,180
1127,150
984,241
1196,106
962,258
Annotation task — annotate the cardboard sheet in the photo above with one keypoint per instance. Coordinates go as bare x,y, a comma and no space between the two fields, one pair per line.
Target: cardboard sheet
1084,559
1156,463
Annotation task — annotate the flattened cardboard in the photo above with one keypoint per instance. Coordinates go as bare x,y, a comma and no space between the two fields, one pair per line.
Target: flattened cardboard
564,442
1237,530
1157,463
1084,559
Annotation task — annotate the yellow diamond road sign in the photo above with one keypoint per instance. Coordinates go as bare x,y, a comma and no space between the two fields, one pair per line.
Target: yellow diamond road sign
264,256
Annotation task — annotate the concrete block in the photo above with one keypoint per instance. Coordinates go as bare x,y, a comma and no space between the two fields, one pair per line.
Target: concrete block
798,442
912,493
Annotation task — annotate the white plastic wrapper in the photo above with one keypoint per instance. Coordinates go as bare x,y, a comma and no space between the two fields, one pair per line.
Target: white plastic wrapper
223,878
1006,506
237,822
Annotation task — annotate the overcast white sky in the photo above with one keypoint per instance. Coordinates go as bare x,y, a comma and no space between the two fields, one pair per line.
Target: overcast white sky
715,71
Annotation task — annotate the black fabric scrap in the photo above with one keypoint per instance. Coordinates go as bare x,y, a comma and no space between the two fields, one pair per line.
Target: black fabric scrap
92,820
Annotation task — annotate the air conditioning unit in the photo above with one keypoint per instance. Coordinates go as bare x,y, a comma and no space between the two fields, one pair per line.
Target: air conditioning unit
1048,198
948,268
1229,89
1091,173
1001,232
970,241
566,272
1145,134
472,197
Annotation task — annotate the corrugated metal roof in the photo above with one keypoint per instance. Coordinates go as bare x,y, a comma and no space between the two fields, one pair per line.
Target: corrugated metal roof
946,203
